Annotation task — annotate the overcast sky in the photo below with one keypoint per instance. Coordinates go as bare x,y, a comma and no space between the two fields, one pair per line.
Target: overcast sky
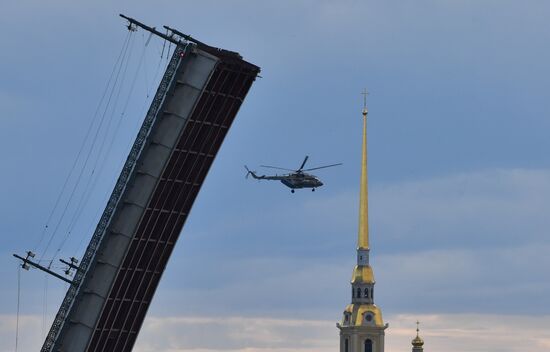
458,168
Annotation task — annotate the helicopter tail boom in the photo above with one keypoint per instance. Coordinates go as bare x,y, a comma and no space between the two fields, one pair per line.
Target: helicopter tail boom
262,177
248,173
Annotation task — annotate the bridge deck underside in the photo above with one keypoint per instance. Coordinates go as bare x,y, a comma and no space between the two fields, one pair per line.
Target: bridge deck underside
169,206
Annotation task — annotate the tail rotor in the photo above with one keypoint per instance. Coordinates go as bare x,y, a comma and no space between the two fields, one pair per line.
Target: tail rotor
248,172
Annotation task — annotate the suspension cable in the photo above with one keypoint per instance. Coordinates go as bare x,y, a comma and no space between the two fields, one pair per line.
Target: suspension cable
79,178
18,304
163,45
87,189
113,137
63,188
145,67
44,305
95,174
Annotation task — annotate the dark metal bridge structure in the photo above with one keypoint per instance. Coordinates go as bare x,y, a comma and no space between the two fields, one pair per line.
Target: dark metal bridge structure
195,104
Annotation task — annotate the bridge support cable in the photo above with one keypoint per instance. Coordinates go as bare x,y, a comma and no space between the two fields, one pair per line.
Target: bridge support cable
145,43
44,306
91,185
92,122
90,229
157,78
102,154
90,151
17,309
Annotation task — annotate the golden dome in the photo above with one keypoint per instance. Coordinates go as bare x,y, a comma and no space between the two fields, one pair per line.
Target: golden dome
417,341
358,312
362,274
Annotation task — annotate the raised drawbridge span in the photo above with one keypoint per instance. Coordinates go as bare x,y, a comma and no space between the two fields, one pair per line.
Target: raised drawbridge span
196,102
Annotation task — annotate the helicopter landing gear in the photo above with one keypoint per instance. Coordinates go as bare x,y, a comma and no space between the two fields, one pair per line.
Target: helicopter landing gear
313,190
291,191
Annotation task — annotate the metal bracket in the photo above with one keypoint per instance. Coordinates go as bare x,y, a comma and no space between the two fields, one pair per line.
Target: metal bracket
27,263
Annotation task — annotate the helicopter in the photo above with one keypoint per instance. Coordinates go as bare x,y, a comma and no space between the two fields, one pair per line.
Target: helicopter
295,179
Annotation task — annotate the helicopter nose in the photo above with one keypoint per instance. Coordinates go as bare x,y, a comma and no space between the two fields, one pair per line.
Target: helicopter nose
319,183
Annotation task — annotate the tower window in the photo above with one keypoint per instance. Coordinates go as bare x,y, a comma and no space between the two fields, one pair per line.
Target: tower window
368,345
346,345
358,292
366,293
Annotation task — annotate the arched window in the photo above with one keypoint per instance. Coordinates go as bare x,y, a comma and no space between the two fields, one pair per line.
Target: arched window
358,292
372,293
352,292
366,293
346,345
368,345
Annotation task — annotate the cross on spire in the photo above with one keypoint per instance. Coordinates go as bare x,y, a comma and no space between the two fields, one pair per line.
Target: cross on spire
417,327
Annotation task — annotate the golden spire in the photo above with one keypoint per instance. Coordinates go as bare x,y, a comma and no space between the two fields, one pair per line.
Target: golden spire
362,312
363,239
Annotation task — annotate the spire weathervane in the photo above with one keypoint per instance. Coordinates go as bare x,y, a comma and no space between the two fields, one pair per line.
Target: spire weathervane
364,94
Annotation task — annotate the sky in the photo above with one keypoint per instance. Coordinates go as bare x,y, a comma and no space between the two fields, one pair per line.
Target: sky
458,168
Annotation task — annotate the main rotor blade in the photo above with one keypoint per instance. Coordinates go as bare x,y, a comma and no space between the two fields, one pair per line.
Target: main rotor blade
322,167
304,163
275,167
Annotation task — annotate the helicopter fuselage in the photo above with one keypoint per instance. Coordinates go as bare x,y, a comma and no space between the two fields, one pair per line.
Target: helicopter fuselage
296,180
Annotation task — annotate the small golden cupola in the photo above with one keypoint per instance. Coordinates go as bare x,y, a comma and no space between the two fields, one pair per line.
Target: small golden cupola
417,342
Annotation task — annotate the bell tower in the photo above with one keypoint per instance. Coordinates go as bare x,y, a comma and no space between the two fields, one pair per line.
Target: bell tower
362,327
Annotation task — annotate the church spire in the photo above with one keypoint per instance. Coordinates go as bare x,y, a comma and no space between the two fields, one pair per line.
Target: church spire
362,327
363,238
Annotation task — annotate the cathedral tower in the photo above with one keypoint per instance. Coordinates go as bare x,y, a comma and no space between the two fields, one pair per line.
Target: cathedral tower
362,327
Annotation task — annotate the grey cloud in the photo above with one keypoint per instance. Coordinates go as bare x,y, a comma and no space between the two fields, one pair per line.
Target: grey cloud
208,333
492,208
